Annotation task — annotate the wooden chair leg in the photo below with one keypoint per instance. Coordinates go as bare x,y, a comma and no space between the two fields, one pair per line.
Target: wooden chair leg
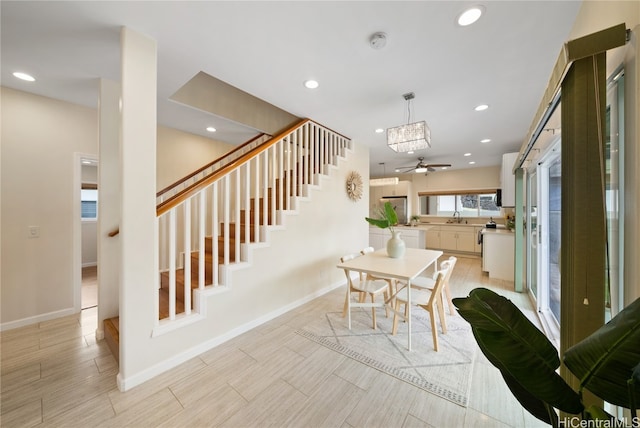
452,309
394,328
443,320
434,330
386,297
346,304
373,311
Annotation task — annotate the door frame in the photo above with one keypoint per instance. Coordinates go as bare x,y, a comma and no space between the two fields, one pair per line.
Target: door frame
78,157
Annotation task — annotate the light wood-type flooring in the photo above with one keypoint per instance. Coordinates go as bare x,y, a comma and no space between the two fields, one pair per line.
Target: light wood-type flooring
89,289
55,374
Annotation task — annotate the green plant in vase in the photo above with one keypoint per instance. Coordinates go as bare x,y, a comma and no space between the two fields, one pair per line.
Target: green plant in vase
388,220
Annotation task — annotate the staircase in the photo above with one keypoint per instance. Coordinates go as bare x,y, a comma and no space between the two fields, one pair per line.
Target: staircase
208,228
208,257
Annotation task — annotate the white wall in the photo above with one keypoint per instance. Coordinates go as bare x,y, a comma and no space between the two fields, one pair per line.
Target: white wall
180,153
89,243
37,188
39,137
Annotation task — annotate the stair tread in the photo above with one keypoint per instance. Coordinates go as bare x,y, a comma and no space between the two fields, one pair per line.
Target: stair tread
180,277
112,336
113,324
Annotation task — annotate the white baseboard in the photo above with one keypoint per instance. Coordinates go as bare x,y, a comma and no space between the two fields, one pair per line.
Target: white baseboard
36,319
125,384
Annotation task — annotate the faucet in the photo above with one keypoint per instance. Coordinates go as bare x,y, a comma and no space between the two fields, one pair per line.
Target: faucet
458,219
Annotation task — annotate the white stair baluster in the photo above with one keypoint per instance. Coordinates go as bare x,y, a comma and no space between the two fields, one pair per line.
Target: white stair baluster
187,256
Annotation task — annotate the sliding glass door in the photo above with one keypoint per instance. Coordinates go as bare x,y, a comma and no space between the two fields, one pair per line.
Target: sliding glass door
543,246
532,235
550,252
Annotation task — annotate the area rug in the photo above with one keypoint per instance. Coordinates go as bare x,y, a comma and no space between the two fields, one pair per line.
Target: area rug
446,373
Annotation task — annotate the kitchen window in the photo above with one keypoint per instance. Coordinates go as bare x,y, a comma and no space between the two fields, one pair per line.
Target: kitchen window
468,204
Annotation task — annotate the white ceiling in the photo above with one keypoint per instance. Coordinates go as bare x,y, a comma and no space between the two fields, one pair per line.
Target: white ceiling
269,48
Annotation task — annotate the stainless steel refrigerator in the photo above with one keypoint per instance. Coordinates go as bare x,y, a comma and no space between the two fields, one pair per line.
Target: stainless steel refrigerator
399,203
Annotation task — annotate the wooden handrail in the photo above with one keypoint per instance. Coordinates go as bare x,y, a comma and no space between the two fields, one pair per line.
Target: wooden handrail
113,233
199,170
186,193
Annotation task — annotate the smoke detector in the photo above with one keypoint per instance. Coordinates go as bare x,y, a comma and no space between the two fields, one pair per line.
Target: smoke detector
378,40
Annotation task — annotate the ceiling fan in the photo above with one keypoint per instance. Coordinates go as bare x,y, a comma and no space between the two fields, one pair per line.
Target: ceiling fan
422,167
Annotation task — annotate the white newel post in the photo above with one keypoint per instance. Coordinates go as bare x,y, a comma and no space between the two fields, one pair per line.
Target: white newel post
109,206
138,224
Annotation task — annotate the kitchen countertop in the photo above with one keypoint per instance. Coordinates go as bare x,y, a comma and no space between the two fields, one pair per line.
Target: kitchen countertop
498,230
428,225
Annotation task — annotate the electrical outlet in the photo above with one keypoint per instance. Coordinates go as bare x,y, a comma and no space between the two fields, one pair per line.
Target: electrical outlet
33,231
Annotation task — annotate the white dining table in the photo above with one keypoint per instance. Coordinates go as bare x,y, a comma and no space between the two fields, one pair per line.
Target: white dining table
408,267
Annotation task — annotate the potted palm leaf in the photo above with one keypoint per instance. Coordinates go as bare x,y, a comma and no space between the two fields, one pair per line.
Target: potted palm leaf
388,220
607,363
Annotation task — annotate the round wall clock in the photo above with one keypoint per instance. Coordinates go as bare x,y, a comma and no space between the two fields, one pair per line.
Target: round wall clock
354,185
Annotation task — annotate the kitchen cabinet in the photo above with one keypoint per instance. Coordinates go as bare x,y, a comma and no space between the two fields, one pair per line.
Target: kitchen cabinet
457,238
412,237
453,238
433,238
508,180
376,193
498,253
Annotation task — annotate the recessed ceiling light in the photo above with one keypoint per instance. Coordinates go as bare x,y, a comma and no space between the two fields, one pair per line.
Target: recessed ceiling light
481,107
24,76
472,163
410,152
379,131
311,84
470,16
467,154
211,129
486,140
445,167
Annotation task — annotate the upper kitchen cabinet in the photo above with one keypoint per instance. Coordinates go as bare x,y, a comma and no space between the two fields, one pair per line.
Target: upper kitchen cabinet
403,188
508,180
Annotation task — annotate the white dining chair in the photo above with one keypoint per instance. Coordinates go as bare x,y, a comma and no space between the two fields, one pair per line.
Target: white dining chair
428,299
390,281
363,286
425,282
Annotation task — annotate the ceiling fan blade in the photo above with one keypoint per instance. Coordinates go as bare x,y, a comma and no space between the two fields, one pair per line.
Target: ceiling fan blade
438,165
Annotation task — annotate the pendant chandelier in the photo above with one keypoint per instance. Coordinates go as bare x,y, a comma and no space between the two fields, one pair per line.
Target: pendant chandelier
409,137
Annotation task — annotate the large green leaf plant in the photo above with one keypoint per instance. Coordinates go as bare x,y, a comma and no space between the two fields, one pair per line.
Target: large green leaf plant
607,363
388,218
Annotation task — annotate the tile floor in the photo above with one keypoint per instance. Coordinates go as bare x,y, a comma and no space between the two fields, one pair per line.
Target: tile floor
55,374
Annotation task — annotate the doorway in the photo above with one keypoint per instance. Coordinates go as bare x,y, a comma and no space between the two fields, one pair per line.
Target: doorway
88,219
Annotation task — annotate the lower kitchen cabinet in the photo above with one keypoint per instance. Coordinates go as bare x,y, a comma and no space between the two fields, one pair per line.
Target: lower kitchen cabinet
458,238
412,237
433,238
454,238
498,254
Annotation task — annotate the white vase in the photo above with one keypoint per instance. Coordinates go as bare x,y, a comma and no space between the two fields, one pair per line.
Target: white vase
395,246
